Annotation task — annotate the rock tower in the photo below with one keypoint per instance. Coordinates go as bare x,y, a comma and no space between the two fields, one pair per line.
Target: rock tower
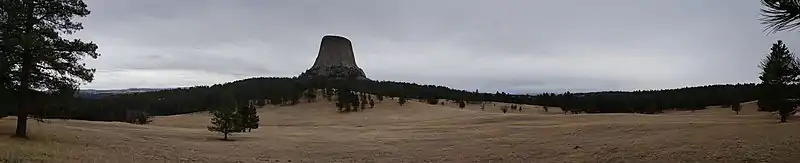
335,59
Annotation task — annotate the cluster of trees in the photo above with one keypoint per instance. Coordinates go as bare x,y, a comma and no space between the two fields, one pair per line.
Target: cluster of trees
650,101
348,101
234,118
507,108
263,91
431,100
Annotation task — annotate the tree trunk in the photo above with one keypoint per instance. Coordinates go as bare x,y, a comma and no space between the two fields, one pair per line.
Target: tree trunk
24,97
226,136
25,73
783,117
22,122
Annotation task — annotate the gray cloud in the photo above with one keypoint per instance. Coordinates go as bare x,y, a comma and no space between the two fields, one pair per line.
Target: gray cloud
506,45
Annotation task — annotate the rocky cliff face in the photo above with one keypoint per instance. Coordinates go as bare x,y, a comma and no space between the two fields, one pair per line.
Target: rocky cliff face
335,60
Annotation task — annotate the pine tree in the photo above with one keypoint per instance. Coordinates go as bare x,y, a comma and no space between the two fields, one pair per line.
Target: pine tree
43,60
354,102
432,100
6,79
260,103
140,117
343,99
371,103
364,101
779,71
736,107
347,101
248,117
328,94
225,121
311,95
401,100
340,107
363,104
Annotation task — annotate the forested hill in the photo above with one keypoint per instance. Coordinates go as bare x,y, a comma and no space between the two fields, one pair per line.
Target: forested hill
289,91
653,101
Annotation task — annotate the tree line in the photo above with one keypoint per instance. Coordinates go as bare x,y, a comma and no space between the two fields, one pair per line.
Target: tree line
290,91
40,71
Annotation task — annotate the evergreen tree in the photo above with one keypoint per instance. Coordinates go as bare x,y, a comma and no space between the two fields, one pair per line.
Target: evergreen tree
311,95
779,71
140,117
354,102
7,85
328,94
248,117
340,107
42,59
371,103
363,103
401,100
260,102
736,107
432,100
225,121
344,99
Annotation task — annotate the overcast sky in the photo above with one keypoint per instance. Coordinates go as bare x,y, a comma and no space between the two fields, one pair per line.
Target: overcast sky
505,45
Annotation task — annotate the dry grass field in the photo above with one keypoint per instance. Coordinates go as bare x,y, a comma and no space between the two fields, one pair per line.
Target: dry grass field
419,132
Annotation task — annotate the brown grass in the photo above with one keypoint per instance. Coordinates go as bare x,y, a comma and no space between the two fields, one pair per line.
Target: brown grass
419,132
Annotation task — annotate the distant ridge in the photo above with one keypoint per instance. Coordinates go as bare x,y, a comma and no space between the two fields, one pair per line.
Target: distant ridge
120,91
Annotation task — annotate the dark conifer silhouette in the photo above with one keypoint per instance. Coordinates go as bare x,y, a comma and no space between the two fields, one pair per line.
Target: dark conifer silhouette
736,107
779,73
401,100
46,61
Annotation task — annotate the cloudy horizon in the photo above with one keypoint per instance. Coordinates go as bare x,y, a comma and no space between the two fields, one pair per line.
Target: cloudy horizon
506,45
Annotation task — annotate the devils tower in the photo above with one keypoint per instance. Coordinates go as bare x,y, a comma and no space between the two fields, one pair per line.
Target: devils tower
335,60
